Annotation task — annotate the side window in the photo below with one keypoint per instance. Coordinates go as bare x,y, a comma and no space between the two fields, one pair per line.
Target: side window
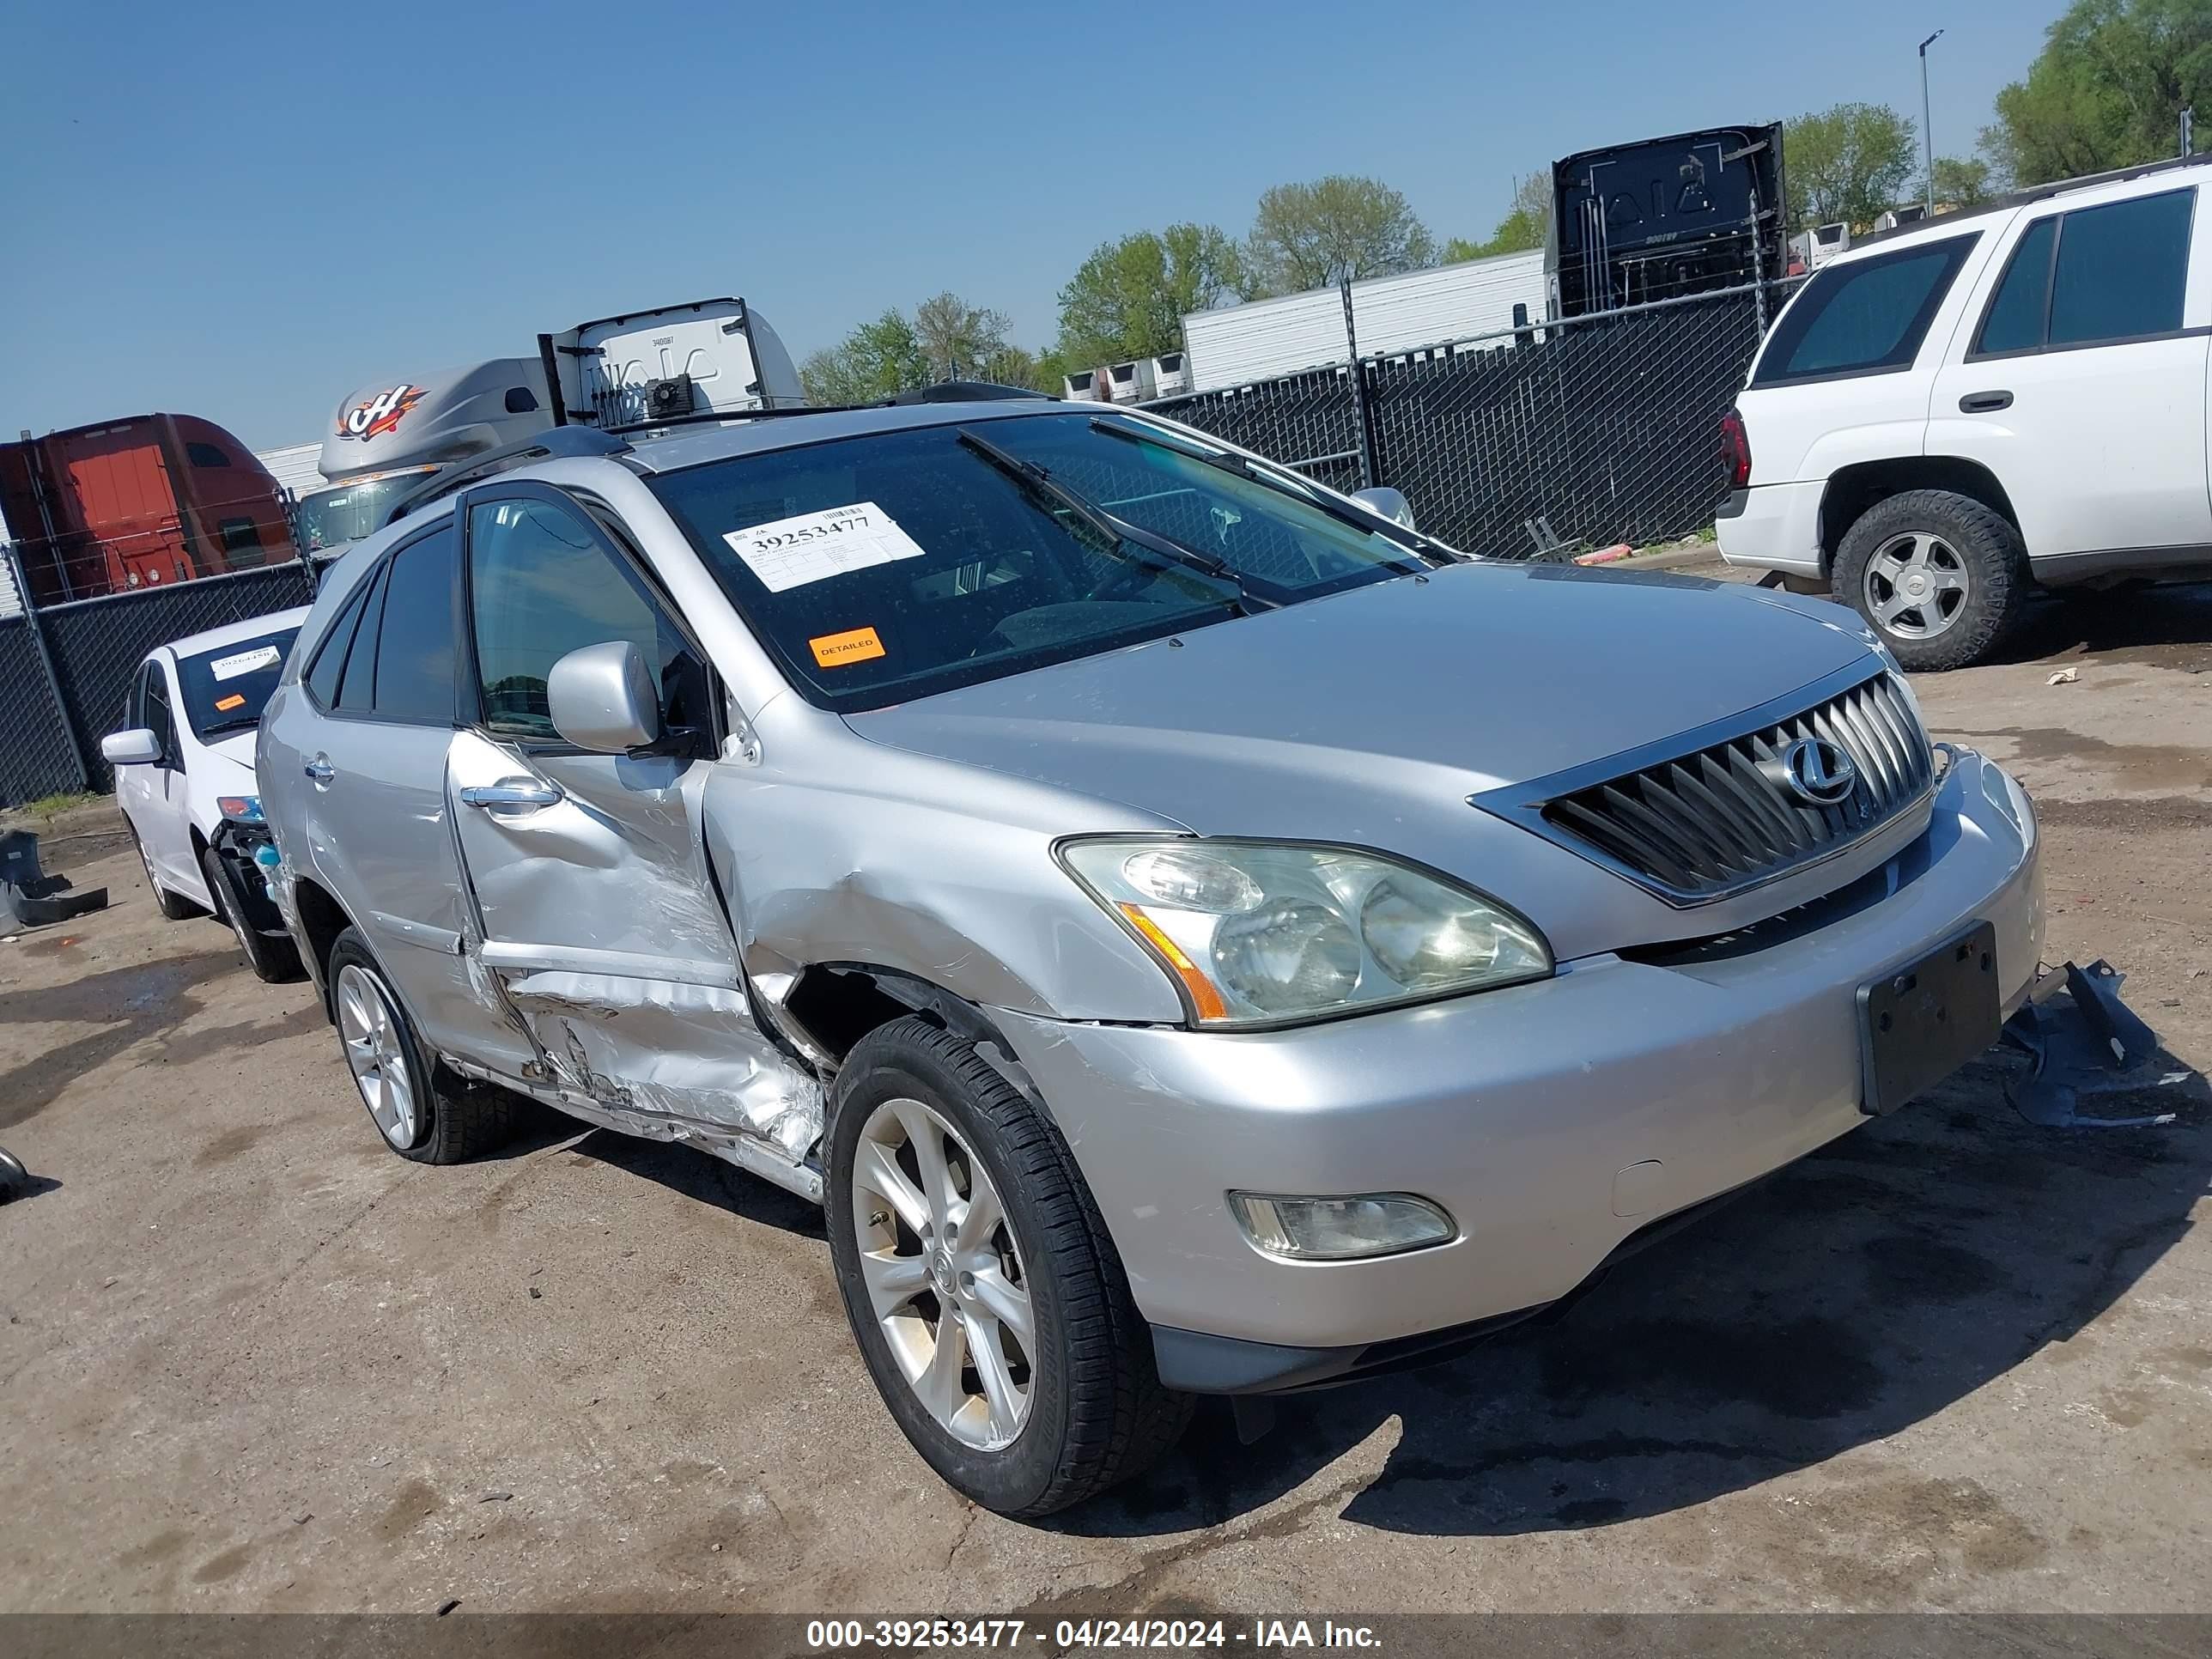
543,582
357,687
241,542
2120,269
135,714
2014,322
1864,316
205,455
415,644
330,659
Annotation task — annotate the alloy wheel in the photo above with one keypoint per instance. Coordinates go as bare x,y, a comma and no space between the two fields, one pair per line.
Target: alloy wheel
1916,585
944,1274
368,1026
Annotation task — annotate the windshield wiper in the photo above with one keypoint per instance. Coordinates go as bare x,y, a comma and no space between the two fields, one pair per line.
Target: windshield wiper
1306,491
217,727
1040,482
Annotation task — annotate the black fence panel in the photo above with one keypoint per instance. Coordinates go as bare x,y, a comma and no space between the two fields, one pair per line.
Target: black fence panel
98,644
1308,421
38,757
1605,428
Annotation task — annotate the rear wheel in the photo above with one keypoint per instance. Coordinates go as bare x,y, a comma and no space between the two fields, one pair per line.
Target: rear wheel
418,1118
1940,577
274,961
981,1283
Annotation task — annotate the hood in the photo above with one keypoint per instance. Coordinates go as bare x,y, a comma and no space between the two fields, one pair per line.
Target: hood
233,774
1481,676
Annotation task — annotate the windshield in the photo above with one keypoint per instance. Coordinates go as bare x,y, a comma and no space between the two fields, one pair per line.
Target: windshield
225,689
886,567
330,518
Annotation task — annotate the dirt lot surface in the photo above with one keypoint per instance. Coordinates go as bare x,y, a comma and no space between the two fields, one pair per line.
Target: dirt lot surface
251,1360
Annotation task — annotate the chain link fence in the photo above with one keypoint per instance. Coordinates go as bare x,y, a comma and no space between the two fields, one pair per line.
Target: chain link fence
1585,432
65,670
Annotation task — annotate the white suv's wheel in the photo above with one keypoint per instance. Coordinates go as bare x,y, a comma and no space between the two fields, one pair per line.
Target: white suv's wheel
1938,575
981,1283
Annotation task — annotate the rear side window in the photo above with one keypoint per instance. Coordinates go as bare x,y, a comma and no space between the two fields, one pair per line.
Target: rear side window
357,690
1865,317
2120,269
323,675
2096,275
414,643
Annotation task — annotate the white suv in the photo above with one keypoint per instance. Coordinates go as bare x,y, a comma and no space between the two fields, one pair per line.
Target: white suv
1950,416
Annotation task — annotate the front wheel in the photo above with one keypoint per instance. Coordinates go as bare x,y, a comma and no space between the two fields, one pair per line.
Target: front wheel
985,1293
274,961
1940,577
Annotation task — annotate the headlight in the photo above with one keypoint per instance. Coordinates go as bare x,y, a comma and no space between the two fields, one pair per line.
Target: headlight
1264,933
245,808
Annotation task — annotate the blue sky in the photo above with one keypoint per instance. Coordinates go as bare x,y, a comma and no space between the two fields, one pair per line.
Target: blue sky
243,212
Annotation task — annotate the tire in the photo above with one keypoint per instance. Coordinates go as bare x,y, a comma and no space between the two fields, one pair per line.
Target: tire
14,1179
1092,1409
1971,562
274,961
174,906
436,1121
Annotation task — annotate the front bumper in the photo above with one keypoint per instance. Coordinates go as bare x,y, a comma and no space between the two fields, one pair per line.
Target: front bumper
1553,1120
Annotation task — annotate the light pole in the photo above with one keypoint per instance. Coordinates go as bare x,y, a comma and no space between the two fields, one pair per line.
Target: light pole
1927,123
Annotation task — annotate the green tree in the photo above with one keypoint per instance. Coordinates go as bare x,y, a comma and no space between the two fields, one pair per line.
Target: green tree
1528,221
1851,162
871,362
1313,235
1963,182
1130,298
2107,91
957,339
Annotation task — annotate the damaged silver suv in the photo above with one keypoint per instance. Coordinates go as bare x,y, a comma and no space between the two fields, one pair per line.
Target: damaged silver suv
1192,933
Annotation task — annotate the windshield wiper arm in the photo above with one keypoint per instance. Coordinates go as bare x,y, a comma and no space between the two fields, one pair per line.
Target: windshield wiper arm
1039,482
1306,491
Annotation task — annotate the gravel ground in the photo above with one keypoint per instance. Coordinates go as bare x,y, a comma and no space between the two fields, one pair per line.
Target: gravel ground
252,1361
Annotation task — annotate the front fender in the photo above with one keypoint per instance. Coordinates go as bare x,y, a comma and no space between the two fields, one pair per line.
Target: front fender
948,880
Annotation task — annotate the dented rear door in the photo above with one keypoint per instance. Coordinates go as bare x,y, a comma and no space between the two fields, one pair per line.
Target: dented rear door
603,931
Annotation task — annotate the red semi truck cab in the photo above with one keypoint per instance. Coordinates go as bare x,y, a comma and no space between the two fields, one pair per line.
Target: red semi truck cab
129,503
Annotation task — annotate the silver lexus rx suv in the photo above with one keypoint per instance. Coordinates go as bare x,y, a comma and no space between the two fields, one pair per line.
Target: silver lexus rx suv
1193,934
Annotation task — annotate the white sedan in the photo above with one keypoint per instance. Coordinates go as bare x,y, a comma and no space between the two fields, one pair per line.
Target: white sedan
184,777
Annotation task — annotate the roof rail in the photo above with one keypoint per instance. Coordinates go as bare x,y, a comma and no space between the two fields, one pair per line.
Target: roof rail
698,416
554,443
2034,194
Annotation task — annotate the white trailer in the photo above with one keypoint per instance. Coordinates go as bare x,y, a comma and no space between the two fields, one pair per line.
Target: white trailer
1264,338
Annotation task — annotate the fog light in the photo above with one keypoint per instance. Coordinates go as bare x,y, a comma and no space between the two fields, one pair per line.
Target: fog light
1342,1229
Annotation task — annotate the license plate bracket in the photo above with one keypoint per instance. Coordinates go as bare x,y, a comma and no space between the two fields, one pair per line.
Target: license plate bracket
1923,1019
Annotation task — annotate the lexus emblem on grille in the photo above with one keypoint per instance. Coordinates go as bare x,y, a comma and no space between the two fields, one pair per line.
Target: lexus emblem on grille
1818,772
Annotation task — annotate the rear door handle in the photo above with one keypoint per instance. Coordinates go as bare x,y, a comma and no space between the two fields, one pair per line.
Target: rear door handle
319,770
1985,403
511,797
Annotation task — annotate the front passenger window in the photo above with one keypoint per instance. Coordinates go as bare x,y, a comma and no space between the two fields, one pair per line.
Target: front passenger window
542,582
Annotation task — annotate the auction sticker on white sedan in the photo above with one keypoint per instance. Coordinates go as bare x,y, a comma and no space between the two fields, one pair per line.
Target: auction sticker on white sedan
245,662
813,547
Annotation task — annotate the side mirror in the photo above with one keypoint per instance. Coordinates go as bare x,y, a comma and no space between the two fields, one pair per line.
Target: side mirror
134,747
1388,503
601,698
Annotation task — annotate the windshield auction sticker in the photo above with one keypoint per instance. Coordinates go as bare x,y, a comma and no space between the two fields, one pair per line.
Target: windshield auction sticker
816,546
229,668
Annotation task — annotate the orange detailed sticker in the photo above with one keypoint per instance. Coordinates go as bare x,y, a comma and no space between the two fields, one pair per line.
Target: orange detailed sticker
224,705
855,645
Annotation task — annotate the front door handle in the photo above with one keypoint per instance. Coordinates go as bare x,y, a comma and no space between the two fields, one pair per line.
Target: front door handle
1985,403
319,770
511,797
